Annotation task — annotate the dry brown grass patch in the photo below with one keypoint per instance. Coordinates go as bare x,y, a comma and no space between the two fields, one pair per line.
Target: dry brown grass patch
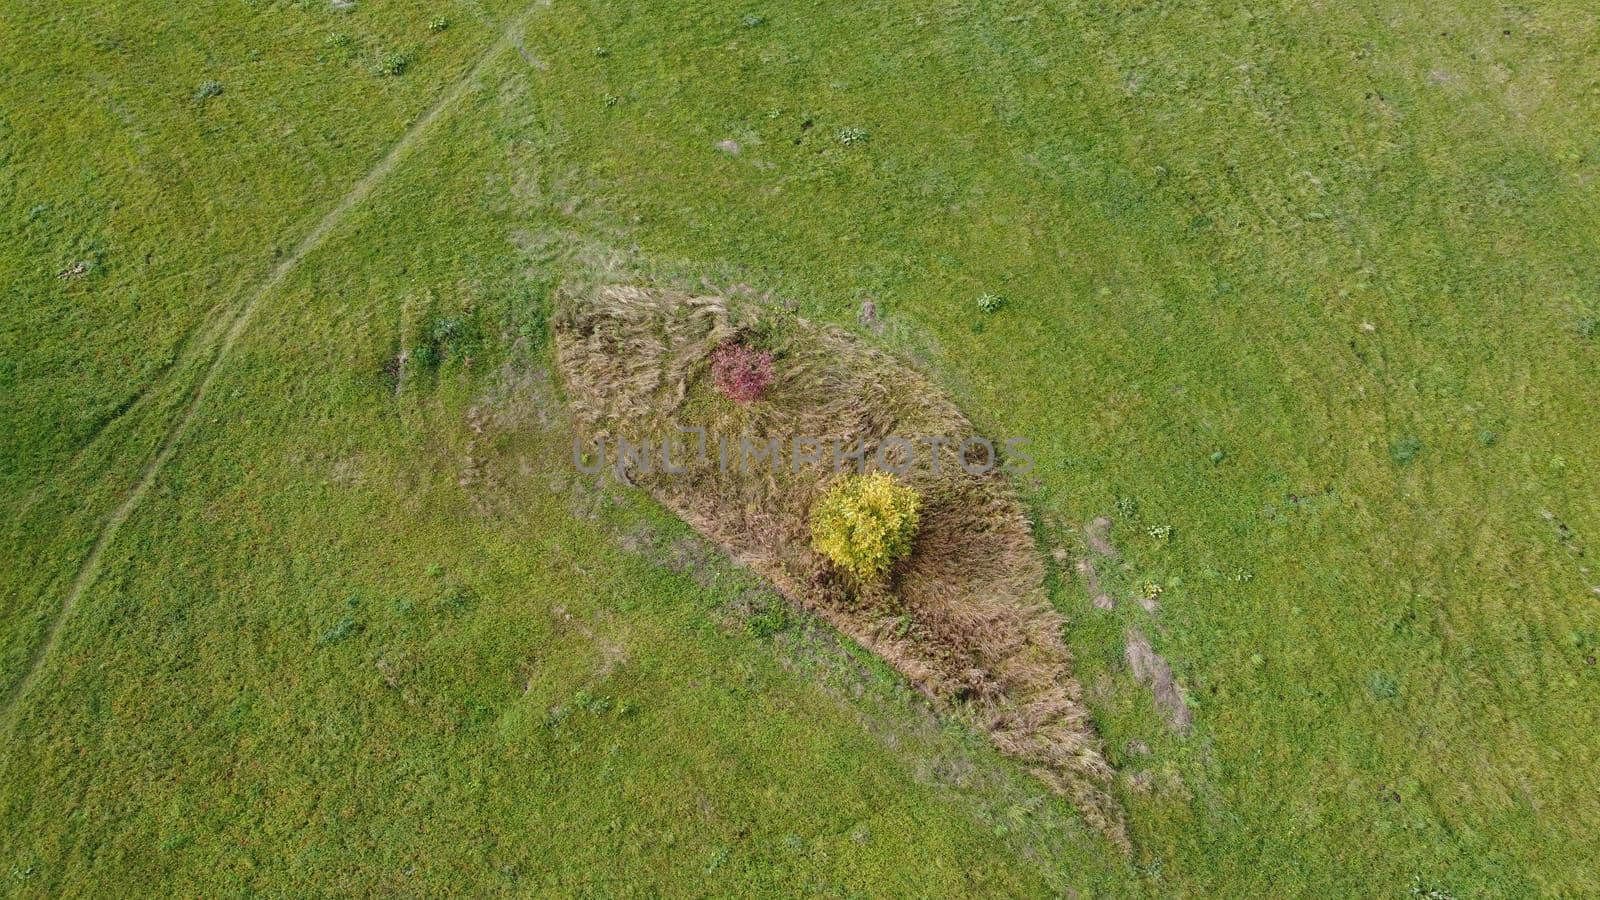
964,617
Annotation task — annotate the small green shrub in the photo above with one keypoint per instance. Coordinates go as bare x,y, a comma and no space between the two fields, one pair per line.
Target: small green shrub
341,46
1382,686
425,355
990,303
557,715
344,629
455,598
598,706
770,620
1405,449
438,24
207,89
532,325
852,135
865,523
447,329
445,338
393,64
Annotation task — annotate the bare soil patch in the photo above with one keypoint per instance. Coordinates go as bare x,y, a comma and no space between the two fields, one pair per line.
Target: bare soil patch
1091,582
1099,534
868,315
1152,671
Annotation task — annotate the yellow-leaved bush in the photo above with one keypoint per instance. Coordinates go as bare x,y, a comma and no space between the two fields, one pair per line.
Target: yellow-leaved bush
864,523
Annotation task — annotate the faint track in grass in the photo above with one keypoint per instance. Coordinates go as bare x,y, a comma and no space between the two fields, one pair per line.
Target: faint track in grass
229,326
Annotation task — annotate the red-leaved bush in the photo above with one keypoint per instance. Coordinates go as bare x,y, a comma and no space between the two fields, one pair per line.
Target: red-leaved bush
740,373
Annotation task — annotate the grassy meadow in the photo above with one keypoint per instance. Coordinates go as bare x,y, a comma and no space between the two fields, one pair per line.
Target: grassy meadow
1303,296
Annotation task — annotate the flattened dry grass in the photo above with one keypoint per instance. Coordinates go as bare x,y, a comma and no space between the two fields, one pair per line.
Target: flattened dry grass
965,617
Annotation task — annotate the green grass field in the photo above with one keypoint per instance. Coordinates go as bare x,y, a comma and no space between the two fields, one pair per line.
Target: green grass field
1303,295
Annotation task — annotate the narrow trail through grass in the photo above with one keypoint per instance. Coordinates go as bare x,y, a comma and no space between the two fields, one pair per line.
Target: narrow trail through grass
230,325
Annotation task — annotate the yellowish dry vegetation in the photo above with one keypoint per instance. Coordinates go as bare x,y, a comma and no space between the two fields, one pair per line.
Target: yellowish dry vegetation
865,523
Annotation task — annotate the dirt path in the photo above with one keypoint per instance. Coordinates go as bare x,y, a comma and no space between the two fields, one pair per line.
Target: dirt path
230,325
